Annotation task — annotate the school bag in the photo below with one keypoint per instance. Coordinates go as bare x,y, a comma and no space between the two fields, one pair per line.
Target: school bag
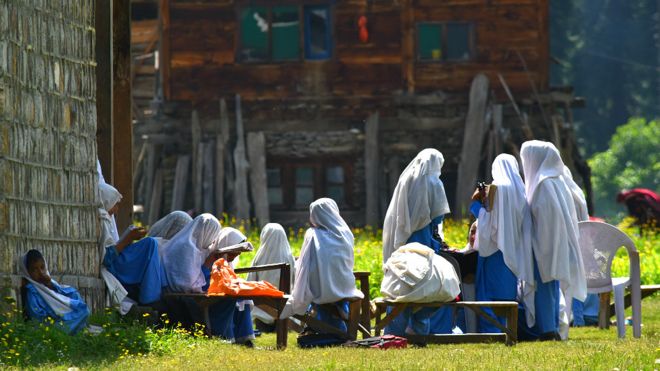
380,342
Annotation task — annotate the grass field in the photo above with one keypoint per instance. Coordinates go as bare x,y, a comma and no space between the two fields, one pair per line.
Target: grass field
132,345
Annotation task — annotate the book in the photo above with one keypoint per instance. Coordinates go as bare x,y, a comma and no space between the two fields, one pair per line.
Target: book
236,249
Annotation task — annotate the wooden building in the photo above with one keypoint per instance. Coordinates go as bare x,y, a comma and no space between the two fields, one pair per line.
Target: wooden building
344,94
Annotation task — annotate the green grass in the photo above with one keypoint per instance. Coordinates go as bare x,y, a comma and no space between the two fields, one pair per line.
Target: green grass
135,346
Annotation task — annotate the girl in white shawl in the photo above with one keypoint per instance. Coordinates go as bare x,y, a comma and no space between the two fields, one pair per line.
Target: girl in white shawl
187,251
503,242
136,265
170,225
45,298
274,249
415,214
324,272
554,234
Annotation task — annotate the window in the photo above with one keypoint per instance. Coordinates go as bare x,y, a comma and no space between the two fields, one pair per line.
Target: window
272,33
445,42
317,32
294,184
334,183
274,182
304,189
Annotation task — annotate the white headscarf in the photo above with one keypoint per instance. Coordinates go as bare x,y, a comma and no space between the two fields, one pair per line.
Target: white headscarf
507,227
110,196
59,303
324,273
578,196
554,221
415,274
274,249
186,252
418,198
170,225
112,229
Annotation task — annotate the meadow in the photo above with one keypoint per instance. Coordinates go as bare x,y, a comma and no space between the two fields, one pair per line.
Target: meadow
131,344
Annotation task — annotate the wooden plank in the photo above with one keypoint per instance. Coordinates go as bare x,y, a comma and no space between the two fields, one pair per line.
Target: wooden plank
196,133
180,182
156,198
371,153
164,55
475,129
103,52
220,149
256,146
647,290
122,120
408,45
242,204
208,151
150,170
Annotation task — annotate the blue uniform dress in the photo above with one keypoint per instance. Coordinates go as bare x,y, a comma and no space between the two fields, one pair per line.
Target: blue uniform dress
494,281
426,320
71,322
322,314
546,301
138,268
226,320
586,313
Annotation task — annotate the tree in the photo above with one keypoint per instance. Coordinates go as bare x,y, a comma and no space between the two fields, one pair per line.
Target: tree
632,161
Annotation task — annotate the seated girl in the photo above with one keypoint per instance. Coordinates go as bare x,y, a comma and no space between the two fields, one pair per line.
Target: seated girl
45,298
136,265
187,262
274,249
324,274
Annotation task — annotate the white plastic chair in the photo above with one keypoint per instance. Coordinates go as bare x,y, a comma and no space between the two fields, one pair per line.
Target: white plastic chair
599,243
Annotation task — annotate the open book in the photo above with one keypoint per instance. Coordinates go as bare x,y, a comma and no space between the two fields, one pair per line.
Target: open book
236,249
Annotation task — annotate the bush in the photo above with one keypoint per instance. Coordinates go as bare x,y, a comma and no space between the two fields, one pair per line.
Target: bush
632,161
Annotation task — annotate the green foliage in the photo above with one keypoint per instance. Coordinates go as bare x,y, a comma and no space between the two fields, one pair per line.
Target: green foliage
608,51
648,245
632,161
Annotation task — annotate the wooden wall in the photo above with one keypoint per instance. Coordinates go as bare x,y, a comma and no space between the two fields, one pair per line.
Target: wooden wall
200,40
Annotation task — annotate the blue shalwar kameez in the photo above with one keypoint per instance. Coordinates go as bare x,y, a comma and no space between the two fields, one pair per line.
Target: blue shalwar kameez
586,313
226,320
138,268
546,301
71,322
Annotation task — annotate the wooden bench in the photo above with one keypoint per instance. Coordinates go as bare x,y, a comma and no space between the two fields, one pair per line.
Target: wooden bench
507,309
352,322
204,301
365,308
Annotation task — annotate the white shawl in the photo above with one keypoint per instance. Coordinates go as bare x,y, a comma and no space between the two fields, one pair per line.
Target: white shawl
59,303
418,198
186,252
324,271
170,225
415,274
274,249
578,196
554,221
507,227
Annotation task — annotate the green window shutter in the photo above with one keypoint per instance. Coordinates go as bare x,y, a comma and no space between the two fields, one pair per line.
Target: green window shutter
429,41
286,33
254,33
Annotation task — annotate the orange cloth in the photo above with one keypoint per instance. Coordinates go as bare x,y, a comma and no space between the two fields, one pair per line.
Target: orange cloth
225,282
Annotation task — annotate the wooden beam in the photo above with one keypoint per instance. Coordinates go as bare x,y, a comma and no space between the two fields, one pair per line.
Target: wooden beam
242,204
156,198
164,53
180,182
408,45
256,145
196,133
122,120
103,24
372,216
208,152
475,129
220,146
